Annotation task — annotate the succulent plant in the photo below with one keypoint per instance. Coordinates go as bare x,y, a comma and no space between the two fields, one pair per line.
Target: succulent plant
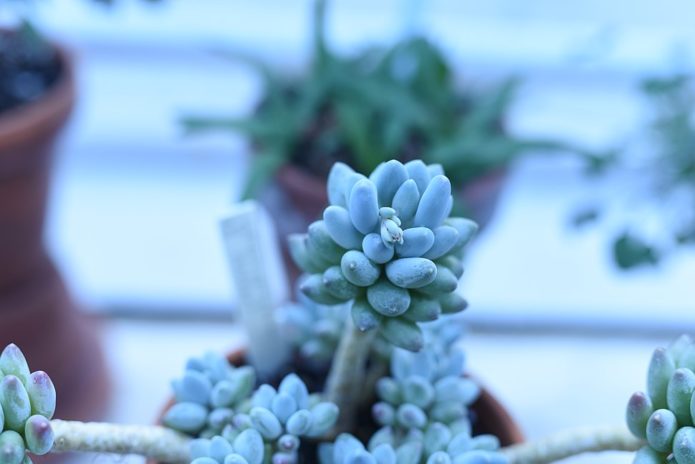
27,403
313,329
271,425
207,395
387,244
424,388
665,415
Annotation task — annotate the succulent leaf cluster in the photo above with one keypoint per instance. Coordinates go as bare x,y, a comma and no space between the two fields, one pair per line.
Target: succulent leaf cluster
313,329
27,403
664,416
387,243
208,395
436,446
269,427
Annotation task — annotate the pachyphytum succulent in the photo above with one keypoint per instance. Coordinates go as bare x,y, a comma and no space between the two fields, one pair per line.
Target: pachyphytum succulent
665,415
27,403
387,243
270,426
208,395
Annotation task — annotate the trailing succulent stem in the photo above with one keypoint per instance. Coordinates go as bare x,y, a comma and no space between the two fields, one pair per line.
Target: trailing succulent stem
572,442
154,442
347,375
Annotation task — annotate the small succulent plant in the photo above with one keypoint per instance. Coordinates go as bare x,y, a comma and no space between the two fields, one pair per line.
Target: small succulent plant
27,403
387,243
269,425
207,395
665,415
313,329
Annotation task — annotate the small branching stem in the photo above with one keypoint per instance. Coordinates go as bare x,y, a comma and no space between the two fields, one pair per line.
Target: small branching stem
345,381
572,442
153,442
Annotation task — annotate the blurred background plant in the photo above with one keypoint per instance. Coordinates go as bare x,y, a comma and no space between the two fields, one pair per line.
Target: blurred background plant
664,162
400,101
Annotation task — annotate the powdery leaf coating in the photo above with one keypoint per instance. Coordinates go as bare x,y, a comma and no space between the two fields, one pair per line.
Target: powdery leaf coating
393,224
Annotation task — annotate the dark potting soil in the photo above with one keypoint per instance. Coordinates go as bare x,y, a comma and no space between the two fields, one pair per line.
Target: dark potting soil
29,66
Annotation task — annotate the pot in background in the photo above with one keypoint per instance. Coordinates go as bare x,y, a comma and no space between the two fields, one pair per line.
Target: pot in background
36,310
491,416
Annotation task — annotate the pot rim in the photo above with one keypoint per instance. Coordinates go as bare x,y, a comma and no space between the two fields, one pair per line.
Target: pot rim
44,114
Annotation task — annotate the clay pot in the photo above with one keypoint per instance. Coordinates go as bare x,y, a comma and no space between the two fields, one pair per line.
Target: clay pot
491,416
36,311
298,198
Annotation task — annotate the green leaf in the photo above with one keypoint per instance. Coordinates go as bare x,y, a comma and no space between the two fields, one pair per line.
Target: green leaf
263,167
630,251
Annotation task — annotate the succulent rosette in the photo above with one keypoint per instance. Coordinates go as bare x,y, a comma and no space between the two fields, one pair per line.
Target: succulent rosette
27,403
664,416
386,243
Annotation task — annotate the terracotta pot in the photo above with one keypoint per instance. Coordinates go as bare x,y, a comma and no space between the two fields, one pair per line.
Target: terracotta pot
491,416
298,198
36,311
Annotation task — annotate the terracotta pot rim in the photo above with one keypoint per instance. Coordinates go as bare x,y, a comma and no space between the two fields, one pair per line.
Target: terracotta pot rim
47,112
486,401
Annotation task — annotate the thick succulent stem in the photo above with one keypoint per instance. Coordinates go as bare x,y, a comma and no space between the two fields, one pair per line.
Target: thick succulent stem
346,378
153,442
572,442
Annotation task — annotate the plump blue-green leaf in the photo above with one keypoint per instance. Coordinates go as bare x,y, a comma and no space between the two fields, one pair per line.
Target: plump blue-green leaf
263,396
358,269
293,386
283,406
297,244
389,390
323,418
338,178
417,170
466,229
639,409
418,390
402,333
186,417
445,238
437,437
314,287
265,422
455,389
411,272
416,242
406,200
299,423
409,453
684,446
234,459
661,428
383,413
388,299
12,362
435,170
388,178
321,243
249,445
376,250
219,448
679,393
433,206
340,228
12,446
42,394
439,457
195,387
15,403
444,282
337,285
423,309
383,436
454,264
38,435
364,206
452,303
661,368
384,454
288,443
363,316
